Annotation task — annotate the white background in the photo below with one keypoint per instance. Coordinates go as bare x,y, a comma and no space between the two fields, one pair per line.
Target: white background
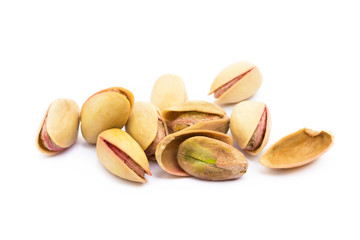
308,53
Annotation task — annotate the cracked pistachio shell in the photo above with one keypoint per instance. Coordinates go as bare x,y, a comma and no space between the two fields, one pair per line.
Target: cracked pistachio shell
220,125
297,149
168,90
244,120
247,80
109,108
117,164
166,150
62,124
211,159
142,124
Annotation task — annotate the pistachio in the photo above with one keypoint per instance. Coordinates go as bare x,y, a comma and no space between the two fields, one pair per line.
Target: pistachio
166,150
59,127
168,90
250,125
236,82
196,115
122,155
109,108
211,159
189,119
146,126
297,149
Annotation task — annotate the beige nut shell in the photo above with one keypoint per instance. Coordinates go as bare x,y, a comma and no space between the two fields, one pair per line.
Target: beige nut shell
166,150
244,88
220,125
243,122
127,144
109,108
168,90
62,124
297,149
142,124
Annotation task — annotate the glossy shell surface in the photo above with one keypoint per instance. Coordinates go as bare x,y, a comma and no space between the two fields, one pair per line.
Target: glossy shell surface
109,108
123,141
168,90
62,124
142,124
244,120
244,88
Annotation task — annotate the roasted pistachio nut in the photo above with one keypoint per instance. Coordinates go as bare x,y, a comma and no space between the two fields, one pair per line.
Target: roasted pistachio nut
297,149
250,125
109,108
168,90
122,155
211,159
192,115
236,82
59,127
146,126
166,150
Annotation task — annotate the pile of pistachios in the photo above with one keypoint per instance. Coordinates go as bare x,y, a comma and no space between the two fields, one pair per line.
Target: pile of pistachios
186,138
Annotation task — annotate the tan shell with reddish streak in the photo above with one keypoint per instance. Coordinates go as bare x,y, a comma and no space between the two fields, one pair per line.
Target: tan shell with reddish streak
127,144
109,108
243,122
142,124
244,88
220,125
168,90
297,149
62,124
166,151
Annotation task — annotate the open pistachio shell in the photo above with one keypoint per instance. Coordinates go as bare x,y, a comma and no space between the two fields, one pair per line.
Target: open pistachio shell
59,127
109,108
168,90
211,159
166,150
297,149
122,155
199,115
146,125
236,82
250,123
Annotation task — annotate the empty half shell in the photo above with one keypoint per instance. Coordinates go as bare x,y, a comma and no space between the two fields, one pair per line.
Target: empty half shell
109,108
168,90
146,126
192,115
297,149
59,128
122,155
236,82
250,125
167,149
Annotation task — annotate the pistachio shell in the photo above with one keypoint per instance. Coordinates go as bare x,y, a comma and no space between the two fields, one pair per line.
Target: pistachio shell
221,124
143,123
211,159
297,149
130,159
168,90
240,80
109,108
245,119
166,151
60,126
